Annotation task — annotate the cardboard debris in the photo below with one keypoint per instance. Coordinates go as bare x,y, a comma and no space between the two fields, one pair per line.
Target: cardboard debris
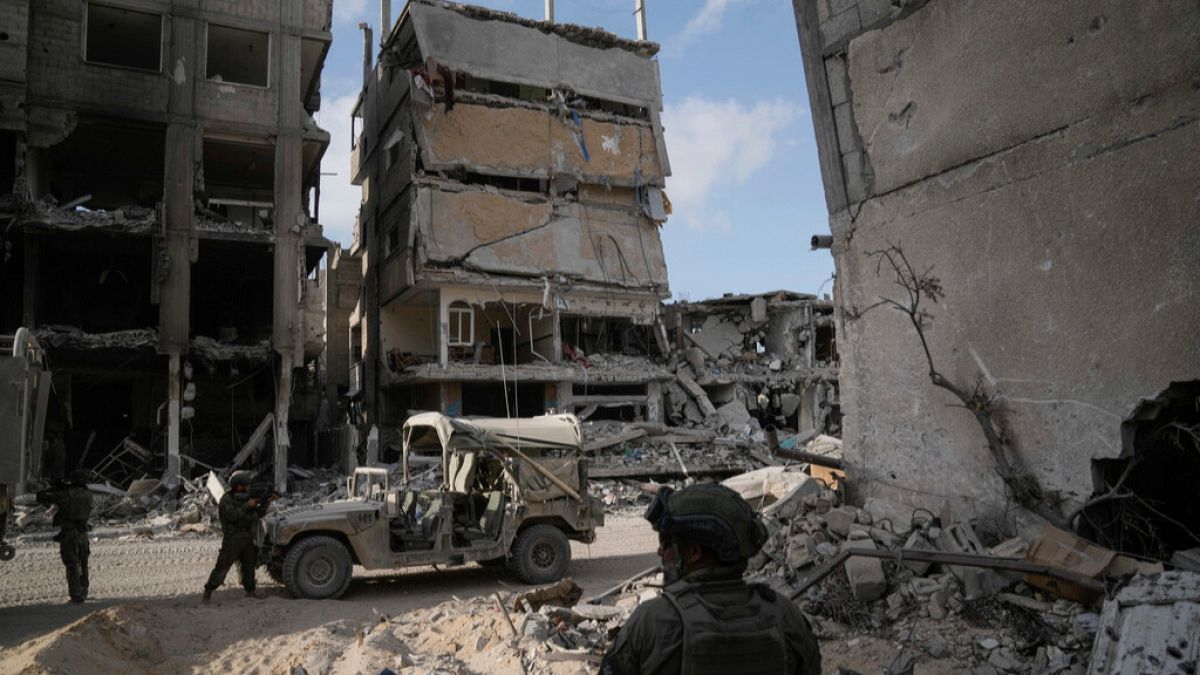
1065,551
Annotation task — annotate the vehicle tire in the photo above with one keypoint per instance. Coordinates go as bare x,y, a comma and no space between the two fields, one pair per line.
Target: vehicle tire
540,554
317,568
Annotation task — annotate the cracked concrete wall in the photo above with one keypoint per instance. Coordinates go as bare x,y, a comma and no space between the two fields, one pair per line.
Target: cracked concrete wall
1041,157
510,233
527,142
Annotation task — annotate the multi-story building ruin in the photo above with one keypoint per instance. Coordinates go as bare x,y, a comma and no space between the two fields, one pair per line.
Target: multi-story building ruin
512,174
1038,159
159,182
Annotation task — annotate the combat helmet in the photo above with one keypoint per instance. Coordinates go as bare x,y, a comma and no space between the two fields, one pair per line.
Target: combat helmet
711,516
239,478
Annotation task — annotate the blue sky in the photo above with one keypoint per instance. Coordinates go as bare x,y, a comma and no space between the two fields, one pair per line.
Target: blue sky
746,186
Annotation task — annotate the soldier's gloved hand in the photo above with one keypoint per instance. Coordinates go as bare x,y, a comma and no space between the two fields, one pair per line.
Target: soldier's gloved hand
252,502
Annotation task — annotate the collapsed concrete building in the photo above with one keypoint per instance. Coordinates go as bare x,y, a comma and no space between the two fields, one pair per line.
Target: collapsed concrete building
768,357
1041,160
512,175
159,193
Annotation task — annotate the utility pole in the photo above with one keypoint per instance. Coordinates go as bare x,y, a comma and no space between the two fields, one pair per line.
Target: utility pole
550,11
640,11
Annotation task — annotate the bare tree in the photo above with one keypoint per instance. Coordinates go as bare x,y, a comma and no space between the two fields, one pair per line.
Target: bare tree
921,288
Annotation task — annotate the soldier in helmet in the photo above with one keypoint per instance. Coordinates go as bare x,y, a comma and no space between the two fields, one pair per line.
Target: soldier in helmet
708,620
239,513
74,504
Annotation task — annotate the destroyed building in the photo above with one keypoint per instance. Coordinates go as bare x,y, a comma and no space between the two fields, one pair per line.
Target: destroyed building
159,192
770,357
1040,160
512,176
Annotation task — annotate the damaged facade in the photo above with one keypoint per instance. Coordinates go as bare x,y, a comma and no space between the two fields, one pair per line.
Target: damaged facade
1041,160
770,357
512,176
159,182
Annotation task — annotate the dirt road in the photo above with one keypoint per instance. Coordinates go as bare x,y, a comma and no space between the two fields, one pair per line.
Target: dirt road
171,574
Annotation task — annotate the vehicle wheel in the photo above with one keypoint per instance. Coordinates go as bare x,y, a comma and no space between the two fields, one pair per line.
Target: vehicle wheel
540,554
493,562
317,568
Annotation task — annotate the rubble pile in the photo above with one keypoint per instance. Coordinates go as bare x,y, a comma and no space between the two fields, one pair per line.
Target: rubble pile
984,617
153,508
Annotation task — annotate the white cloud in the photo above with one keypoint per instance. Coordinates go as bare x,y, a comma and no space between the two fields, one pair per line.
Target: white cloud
351,10
712,143
339,198
706,21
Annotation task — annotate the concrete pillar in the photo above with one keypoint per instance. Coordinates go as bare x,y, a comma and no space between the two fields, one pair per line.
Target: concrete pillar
385,21
289,220
566,397
174,390
550,10
444,330
639,8
654,402
179,174
556,350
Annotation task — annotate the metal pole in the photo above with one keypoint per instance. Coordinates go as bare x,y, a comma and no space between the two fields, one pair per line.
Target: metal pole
550,11
385,21
640,11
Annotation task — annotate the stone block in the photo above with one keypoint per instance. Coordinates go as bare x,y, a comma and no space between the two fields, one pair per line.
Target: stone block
788,403
839,520
835,74
840,27
867,580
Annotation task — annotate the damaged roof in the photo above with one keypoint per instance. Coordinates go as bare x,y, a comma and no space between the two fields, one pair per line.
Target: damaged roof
584,35
504,47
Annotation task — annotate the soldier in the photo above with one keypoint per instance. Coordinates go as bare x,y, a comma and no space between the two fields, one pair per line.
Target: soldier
708,620
74,504
239,514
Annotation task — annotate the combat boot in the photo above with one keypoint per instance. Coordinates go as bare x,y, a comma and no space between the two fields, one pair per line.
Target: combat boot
207,596
251,593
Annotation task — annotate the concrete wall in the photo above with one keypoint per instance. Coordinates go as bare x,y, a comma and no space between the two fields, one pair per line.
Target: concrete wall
1041,157
531,235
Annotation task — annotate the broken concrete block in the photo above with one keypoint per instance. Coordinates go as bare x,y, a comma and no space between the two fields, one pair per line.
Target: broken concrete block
734,415
695,359
800,552
791,503
977,581
689,385
839,520
866,577
772,483
758,310
716,336
918,541
788,403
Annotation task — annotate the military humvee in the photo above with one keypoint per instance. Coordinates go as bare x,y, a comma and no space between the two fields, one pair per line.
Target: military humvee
513,491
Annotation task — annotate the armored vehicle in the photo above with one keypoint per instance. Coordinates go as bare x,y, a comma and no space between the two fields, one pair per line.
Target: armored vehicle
513,492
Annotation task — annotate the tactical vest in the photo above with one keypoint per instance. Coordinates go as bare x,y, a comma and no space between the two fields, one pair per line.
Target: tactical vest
77,508
746,639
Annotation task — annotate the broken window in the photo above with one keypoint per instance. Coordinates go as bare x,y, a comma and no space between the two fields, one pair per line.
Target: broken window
538,185
114,165
238,55
239,179
593,335
497,399
462,325
1151,509
233,291
356,126
127,38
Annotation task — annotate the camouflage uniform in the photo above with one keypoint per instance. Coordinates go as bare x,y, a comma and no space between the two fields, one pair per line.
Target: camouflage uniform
74,504
709,620
239,522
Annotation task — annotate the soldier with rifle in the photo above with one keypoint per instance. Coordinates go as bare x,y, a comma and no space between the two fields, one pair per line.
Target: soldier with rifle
239,511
